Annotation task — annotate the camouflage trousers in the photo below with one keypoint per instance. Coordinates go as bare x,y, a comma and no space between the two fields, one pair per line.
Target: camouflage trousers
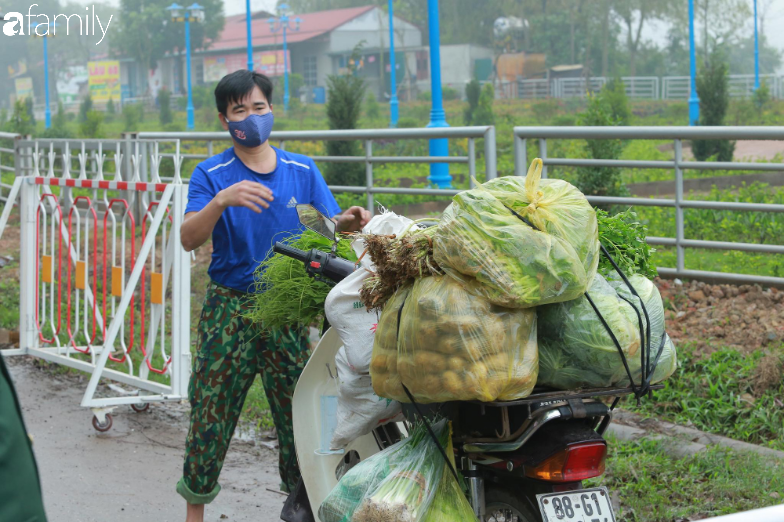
230,352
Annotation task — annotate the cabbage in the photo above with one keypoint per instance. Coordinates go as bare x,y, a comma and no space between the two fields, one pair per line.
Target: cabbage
576,350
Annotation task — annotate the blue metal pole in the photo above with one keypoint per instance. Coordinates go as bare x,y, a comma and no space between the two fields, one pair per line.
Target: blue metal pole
250,37
48,111
285,70
756,50
188,59
392,84
694,100
439,172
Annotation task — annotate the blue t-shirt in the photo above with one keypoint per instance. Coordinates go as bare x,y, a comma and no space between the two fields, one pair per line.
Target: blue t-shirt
242,239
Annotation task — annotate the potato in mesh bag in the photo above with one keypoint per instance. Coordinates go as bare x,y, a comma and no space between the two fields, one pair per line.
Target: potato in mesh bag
451,345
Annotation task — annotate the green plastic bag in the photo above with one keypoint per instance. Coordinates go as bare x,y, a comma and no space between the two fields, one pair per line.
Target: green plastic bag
550,257
576,351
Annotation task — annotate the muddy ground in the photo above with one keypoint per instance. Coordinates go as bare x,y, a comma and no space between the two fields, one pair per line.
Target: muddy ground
745,317
129,473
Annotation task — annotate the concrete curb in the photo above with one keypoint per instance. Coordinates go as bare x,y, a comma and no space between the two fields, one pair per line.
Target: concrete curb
630,427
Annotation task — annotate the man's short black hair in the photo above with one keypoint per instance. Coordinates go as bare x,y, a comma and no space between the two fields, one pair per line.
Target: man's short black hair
235,86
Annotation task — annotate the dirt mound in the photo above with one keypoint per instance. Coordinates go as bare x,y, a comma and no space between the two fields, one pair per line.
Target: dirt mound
745,317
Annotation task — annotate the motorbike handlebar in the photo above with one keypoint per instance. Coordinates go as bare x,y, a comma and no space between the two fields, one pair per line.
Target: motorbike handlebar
318,263
289,251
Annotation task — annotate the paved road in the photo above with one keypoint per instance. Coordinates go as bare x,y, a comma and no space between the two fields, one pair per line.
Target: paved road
129,473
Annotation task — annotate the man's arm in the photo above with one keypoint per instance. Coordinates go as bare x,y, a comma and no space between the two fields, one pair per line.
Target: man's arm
197,226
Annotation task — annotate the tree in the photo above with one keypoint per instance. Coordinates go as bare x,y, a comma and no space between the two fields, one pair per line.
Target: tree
713,91
110,107
601,181
473,90
164,101
344,105
635,13
145,32
85,107
20,121
720,20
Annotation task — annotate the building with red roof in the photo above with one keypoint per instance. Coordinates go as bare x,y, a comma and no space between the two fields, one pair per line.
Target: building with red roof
321,47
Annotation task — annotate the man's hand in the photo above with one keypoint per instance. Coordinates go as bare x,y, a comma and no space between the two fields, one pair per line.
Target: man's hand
247,194
353,219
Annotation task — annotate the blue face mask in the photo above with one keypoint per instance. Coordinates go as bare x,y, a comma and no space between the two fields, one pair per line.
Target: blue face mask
253,130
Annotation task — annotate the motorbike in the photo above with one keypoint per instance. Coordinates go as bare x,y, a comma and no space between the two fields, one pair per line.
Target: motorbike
523,460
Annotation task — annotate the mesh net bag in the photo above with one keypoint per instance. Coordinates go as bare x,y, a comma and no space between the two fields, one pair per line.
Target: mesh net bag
452,346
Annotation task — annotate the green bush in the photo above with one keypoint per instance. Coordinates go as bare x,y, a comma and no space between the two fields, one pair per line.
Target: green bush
133,114
165,115
761,96
484,111
30,109
91,127
614,95
20,121
85,107
472,91
110,109
600,181
59,128
345,95
372,107
449,93
713,91
408,123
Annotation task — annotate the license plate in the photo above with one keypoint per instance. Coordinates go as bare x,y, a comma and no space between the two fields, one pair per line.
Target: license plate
584,505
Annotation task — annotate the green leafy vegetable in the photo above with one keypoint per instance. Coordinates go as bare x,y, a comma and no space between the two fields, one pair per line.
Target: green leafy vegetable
623,236
286,295
520,242
576,350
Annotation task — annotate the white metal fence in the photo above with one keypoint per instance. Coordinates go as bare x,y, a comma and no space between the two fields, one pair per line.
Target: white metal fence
678,165
643,88
101,291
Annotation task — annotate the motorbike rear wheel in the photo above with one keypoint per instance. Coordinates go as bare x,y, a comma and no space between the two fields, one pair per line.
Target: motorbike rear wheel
501,505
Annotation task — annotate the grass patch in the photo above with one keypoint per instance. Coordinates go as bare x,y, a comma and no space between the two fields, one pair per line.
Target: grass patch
722,394
655,487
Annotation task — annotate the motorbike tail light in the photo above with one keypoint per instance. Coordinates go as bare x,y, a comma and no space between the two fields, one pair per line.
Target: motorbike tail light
574,463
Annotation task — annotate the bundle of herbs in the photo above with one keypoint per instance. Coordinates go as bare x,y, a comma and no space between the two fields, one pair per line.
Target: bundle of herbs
285,294
623,235
398,260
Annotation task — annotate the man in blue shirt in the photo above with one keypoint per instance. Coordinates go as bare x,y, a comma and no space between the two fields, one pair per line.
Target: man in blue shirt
245,198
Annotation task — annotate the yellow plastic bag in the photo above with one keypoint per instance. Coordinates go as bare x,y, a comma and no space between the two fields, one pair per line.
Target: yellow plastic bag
497,255
453,346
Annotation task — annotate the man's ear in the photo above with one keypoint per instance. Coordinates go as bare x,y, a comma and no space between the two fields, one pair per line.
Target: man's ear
222,120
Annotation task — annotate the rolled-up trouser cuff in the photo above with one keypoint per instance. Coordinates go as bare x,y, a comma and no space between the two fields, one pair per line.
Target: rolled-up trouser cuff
194,498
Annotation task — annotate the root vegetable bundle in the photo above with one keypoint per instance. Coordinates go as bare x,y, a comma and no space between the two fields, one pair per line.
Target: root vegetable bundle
398,260
450,345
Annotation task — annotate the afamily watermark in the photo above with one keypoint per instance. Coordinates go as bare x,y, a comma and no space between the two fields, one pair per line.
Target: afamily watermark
40,25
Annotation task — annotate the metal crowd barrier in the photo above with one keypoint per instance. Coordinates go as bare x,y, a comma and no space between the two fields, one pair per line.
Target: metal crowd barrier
89,298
